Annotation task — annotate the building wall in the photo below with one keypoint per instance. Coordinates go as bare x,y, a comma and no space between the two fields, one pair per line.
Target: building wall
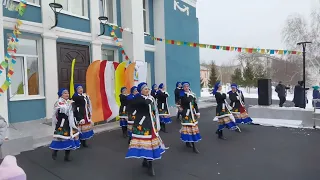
37,21
182,62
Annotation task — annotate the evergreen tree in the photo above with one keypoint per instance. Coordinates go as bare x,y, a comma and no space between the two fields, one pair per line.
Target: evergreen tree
248,75
236,77
260,73
213,75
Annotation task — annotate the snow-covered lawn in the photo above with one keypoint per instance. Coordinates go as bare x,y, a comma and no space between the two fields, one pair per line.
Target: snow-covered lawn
253,93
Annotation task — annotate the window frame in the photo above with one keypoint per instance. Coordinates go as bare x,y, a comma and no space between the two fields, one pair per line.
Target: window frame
25,96
114,11
36,4
85,6
115,53
146,9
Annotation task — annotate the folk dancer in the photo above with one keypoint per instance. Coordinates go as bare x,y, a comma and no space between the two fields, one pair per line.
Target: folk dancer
225,118
177,91
66,134
154,90
189,132
131,110
163,109
238,106
123,112
83,113
146,142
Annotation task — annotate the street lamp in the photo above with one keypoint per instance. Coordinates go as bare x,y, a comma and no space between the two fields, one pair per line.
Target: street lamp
304,45
56,8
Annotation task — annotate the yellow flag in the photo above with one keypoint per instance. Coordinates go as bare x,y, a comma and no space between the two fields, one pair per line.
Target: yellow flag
71,79
263,51
19,22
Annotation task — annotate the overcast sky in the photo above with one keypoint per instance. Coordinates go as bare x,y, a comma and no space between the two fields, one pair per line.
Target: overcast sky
245,23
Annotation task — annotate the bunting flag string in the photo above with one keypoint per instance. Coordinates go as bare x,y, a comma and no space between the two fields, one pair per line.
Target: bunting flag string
9,58
216,47
116,39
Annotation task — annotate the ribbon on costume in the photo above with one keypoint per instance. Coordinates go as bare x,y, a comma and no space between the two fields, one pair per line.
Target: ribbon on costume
9,58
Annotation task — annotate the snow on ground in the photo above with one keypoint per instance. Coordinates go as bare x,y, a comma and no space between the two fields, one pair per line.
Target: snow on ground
253,93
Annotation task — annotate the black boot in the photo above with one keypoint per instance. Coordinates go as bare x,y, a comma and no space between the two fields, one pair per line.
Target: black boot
195,150
220,135
67,156
54,154
84,143
124,131
188,144
163,127
145,163
150,169
129,140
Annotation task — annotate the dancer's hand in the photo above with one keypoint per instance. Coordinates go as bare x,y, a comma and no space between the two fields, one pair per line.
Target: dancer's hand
82,121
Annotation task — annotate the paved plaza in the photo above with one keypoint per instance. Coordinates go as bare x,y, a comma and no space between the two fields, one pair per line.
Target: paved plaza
258,153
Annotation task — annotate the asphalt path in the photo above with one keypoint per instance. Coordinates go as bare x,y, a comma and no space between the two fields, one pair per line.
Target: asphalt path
258,153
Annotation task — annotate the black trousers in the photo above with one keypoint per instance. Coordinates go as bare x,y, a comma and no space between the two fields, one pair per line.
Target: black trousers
282,100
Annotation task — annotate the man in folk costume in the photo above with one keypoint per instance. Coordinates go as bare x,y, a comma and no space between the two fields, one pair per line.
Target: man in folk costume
177,91
146,142
163,108
83,114
131,110
66,134
123,112
223,114
189,132
238,106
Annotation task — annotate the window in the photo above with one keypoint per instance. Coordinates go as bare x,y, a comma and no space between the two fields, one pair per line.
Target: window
33,1
148,73
106,8
79,7
108,54
146,16
26,78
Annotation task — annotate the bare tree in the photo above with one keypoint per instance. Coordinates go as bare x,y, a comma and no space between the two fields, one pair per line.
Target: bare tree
298,29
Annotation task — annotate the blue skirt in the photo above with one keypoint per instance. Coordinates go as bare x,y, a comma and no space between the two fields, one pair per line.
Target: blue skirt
165,120
123,122
86,135
190,134
69,144
226,122
149,149
246,120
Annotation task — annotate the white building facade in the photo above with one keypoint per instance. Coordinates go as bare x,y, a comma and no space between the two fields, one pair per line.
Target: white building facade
44,54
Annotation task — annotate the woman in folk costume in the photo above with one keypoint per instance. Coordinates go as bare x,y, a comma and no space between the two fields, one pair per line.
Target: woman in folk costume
66,134
131,110
123,112
163,109
238,106
83,113
146,142
190,113
154,90
222,112
177,91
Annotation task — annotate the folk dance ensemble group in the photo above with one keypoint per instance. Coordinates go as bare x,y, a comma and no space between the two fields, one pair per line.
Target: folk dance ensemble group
143,114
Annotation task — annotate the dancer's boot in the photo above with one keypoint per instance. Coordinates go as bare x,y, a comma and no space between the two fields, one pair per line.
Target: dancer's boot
150,169
195,150
188,144
145,163
54,154
67,156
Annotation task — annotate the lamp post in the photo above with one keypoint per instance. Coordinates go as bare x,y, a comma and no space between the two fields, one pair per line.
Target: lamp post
56,8
304,45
